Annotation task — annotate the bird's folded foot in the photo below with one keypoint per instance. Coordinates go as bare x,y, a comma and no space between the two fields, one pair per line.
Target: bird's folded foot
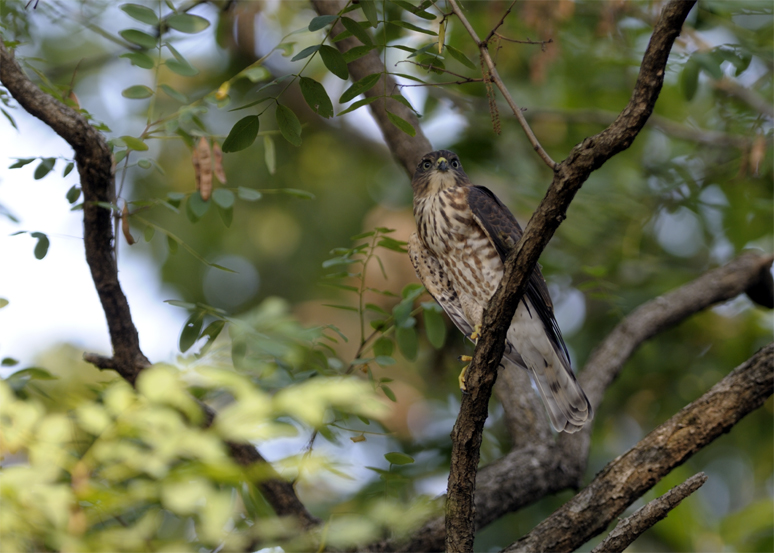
461,378
476,334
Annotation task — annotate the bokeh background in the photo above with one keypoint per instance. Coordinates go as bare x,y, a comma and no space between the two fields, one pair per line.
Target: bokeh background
693,191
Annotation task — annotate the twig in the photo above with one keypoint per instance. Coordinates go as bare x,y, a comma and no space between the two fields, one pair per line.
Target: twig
484,49
632,527
542,43
500,23
632,474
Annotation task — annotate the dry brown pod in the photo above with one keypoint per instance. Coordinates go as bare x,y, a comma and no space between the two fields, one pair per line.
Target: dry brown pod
217,162
125,225
203,155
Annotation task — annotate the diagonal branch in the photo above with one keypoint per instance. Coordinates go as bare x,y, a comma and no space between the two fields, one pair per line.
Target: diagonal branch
632,527
97,182
569,176
530,473
629,476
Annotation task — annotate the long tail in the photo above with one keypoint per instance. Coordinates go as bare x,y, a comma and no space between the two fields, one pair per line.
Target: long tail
567,405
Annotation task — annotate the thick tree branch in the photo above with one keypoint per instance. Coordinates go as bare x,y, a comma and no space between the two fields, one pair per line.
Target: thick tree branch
569,176
97,182
629,476
407,150
632,527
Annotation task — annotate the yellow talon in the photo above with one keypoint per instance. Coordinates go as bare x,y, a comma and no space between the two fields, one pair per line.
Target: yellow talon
461,378
476,334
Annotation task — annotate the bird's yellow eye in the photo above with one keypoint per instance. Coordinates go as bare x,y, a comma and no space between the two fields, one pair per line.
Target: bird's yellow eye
455,163
426,164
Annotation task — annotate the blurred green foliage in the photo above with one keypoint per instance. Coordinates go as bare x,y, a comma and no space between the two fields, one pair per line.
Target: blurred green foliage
687,196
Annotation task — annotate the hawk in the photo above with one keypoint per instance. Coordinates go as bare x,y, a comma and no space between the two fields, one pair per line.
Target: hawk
464,233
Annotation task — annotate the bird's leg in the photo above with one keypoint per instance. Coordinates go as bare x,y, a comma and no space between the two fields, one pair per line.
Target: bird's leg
475,335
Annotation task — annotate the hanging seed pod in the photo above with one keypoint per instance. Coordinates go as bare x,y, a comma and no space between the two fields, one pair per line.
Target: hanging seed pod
125,225
204,182
217,162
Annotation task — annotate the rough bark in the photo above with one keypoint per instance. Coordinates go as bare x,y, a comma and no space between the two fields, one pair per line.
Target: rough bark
629,476
632,527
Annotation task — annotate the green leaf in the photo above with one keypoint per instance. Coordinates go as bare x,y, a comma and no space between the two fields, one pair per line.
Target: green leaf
73,194
140,13
21,162
356,53
460,57
191,330
359,87
316,97
226,215
389,393
197,204
383,347
137,92
321,21
183,304
182,68
369,10
401,123
174,198
306,52
44,167
148,233
256,73
41,248
242,134
343,307
398,458
139,38
392,244
435,328
211,333
710,64
9,362
288,124
356,29
334,61
174,94
413,9
68,168
411,27
140,59
134,143
187,23
408,343
19,379
10,119
689,79
385,360
223,197
359,104
3,302
248,194
269,154
172,244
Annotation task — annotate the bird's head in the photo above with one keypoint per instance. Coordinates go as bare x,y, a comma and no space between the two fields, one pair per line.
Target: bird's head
437,171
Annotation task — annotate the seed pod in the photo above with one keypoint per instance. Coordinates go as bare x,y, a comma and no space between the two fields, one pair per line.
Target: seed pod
217,162
204,182
125,225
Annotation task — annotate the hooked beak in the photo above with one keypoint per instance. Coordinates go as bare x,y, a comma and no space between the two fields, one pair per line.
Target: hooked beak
442,164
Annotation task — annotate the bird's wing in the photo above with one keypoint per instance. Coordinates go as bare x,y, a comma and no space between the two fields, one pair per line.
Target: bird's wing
504,232
436,282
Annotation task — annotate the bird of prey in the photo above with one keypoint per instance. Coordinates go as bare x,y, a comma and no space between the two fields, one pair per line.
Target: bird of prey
464,233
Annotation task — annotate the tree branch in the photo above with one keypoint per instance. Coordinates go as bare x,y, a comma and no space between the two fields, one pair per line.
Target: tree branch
483,47
407,150
97,182
629,476
632,527
569,176
530,473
